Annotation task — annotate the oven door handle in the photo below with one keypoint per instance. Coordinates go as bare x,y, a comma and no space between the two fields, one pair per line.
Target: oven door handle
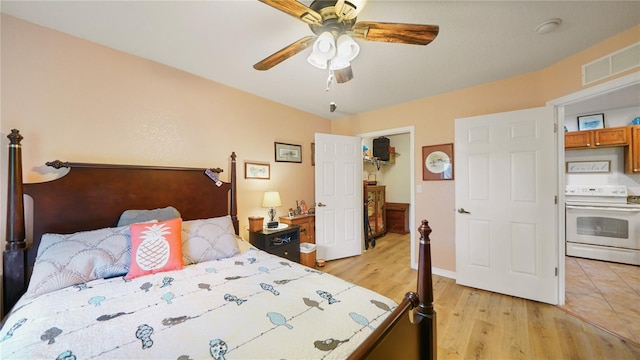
605,208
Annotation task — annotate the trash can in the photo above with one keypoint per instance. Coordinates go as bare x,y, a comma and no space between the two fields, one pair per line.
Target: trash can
308,254
255,223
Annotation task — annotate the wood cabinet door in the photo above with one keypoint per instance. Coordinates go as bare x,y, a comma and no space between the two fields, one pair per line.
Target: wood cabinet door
612,136
635,149
304,232
578,139
380,215
312,230
375,209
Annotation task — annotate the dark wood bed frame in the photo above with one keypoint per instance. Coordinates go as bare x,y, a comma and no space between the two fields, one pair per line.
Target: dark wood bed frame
92,196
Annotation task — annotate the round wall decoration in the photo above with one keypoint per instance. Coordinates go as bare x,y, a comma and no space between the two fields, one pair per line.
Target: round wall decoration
437,162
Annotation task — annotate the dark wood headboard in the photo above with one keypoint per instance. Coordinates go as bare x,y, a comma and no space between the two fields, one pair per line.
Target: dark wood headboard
93,196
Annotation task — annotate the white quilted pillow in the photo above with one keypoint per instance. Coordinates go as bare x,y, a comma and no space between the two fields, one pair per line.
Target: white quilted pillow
65,260
208,239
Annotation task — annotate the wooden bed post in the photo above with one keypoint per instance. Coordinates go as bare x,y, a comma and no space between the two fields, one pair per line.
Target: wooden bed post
15,253
234,199
425,315
413,336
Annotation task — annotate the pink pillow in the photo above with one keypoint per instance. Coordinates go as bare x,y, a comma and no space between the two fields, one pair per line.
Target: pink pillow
155,247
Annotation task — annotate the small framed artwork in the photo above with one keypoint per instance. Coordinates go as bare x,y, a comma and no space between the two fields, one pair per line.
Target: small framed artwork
588,167
256,171
288,152
590,122
437,162
313,154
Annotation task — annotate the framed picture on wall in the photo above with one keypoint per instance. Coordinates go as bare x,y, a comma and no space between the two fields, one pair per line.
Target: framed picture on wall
437,162
288,152
590,122
584,167
256,171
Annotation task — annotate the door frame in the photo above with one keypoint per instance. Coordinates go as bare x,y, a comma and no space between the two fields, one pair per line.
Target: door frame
411,131
559,105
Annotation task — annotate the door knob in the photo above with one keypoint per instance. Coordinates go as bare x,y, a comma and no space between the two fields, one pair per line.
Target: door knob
321,204
463,211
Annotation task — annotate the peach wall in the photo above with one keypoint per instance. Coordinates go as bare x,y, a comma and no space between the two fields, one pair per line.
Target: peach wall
77,101
433,118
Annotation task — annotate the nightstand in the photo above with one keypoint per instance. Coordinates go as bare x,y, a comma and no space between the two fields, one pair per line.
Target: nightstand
307,225
284,243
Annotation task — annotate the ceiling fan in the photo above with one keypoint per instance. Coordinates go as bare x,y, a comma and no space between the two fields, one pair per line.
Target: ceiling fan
334,24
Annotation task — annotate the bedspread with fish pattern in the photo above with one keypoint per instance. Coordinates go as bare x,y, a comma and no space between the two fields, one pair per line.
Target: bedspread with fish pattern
251,306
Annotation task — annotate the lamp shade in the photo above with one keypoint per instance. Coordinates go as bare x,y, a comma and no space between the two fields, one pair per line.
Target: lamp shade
338,64
324,48
271,199
347,48
317,61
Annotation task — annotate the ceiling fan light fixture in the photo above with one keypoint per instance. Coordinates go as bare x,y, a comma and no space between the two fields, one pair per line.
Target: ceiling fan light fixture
324,49
347,48
325,46
338,64
317,61
349,9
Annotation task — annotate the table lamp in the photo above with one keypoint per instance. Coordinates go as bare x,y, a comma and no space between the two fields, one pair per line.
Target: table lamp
270,200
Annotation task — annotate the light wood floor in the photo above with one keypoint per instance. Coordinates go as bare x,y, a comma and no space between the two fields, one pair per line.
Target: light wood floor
477,324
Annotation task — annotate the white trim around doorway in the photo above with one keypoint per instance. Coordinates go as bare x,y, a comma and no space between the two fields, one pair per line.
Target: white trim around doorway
559,104
396,131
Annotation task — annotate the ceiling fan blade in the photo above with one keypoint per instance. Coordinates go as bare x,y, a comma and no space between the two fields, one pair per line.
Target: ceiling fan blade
343,75
296,9
284,53
414,34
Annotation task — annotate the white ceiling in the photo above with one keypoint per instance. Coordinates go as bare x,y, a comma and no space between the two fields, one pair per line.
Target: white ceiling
479,42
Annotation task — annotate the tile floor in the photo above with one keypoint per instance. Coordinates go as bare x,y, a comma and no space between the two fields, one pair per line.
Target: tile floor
605,294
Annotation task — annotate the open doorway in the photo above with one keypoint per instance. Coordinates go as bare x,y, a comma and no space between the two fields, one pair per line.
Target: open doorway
599,96
587,296
398,178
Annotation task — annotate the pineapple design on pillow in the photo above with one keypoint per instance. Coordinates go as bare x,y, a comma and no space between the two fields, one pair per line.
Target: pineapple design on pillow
155,247
153,252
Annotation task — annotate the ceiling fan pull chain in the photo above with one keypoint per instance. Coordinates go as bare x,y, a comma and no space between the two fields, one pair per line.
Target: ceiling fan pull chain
330,81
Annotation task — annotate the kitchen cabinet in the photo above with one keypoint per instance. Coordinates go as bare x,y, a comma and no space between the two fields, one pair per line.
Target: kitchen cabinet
578,139
618,136
307,225
632,155
589,139
375,197
623,136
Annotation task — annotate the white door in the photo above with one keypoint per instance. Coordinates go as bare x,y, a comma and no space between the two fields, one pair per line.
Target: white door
339,217
506,201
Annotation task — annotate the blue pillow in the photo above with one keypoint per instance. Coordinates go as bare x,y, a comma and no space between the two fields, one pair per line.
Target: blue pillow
137,216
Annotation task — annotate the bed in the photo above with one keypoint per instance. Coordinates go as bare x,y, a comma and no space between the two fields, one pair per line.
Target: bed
146,262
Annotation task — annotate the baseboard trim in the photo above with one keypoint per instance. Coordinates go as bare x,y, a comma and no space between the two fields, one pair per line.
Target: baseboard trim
437,271
445,273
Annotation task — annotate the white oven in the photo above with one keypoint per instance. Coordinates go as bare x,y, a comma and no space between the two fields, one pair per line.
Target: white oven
601,225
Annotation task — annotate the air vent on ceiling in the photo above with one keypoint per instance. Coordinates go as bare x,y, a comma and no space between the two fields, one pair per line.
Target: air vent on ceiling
611,64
